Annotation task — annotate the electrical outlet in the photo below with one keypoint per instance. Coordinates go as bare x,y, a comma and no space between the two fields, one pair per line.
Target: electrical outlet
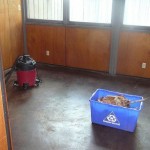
19,7
143,65
47,53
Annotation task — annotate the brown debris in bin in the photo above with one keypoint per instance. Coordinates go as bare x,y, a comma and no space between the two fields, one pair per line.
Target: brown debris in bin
115,100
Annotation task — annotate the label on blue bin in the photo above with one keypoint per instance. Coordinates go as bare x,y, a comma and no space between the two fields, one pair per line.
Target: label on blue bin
112,119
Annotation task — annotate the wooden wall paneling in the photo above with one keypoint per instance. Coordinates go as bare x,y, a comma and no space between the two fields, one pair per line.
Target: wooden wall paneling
88,48
54,42
5,36
59,46
14,4
1,6
48,40
42,38
35,41
3,137
2,28
16,33
134,48
11,37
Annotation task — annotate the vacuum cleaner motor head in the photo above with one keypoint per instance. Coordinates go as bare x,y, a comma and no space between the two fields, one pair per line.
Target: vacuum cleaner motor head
25,63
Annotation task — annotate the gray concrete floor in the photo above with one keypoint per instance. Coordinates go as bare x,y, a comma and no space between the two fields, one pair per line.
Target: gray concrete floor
56,115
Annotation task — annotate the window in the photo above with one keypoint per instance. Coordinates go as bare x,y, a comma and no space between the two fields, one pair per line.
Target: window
89,11
92,11
137,12
45,9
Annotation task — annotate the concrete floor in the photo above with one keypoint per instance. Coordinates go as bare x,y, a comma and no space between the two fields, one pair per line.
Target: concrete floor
56,115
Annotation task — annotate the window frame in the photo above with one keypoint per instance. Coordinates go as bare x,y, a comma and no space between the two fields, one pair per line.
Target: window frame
136,28
133,27
77,23
65,21
43,21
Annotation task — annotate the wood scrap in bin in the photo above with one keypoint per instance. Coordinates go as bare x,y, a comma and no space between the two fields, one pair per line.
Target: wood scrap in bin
115,100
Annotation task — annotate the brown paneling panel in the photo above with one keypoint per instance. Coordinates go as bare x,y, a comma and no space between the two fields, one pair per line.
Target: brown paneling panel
2,130
134,48
59,46
35,43
1,6
5,39
48,40
3,144
16,35
88,48
42,38
3,138
11,38
13,5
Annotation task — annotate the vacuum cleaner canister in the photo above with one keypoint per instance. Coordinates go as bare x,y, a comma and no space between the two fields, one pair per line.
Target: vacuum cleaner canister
26,72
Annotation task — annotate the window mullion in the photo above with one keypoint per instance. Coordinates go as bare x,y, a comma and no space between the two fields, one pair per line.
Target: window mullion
65,12
117,21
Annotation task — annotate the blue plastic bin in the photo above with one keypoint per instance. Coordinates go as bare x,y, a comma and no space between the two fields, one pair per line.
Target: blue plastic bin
115,116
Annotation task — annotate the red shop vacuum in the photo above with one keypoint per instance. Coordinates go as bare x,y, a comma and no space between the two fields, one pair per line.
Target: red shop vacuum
26,72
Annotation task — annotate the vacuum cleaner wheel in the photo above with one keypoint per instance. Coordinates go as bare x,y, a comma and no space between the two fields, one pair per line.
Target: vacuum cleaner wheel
25,86
15,83
37,82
